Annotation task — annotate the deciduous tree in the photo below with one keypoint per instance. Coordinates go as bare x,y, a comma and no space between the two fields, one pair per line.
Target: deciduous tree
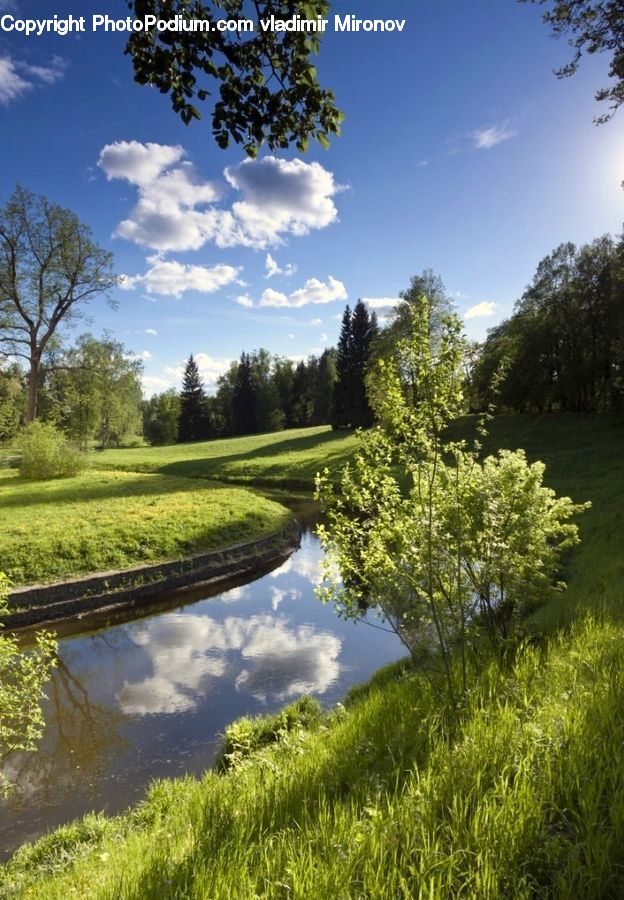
161,414
451,550
94,391
267,86
593,26
50,267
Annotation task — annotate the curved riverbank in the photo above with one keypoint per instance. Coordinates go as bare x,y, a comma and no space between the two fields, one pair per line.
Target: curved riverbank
130,588
68,528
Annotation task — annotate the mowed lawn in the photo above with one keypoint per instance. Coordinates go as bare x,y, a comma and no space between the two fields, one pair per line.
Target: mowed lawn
99,520
288,459
156,503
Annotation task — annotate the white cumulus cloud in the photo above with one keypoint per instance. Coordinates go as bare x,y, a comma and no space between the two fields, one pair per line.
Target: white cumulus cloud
480,310
313,291
272,268
177,210
138,163
170,278
279,197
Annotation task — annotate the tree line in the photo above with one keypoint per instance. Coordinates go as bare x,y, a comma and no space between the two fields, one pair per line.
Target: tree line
92,392
561,349
261,392
563,346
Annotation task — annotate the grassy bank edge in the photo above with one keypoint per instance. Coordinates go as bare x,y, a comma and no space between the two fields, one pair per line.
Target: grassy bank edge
111,521
541,752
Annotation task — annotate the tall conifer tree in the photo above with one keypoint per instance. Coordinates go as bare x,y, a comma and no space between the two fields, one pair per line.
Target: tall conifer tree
244,399
363,329
192,425
341,414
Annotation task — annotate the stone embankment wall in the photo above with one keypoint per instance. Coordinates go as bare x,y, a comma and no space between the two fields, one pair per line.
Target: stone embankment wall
40,604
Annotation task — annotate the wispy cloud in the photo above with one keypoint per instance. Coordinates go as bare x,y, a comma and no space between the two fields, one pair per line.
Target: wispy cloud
12,85
382,306
486,138
49,74
480,310
17,78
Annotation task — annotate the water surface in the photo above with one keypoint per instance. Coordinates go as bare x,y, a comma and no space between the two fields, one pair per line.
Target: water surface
137,700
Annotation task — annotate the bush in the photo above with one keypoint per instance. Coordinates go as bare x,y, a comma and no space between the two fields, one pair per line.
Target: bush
46,454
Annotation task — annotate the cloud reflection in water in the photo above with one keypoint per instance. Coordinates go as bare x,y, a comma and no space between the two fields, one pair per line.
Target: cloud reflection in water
264,655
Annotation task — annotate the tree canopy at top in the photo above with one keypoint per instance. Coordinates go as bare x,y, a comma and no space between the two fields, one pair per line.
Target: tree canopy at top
267,86
593,26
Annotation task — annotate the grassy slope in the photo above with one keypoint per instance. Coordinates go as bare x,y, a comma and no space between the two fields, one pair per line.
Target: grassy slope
285,459
151,504
114,520
525,798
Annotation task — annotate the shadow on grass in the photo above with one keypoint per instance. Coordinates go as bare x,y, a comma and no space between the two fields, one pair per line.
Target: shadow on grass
31,493
300,470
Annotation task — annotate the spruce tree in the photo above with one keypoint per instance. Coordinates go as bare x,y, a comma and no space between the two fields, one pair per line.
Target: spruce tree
244,399
363,329
342,411
191,424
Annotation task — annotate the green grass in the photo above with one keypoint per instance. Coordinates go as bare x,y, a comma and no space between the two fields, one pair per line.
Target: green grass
524,798
288,459
521,796
149,504
98,520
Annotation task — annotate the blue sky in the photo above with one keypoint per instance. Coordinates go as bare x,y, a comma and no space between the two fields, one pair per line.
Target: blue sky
460,152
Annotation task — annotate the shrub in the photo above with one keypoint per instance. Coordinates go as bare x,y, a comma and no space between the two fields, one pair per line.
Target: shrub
22,676
46,454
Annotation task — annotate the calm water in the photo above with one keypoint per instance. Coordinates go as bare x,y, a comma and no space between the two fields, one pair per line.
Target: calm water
148,698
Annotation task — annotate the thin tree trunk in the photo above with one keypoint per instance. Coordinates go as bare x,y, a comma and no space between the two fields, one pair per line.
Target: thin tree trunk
33,388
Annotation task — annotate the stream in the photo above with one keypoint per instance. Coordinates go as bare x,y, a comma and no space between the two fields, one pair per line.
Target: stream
131,701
